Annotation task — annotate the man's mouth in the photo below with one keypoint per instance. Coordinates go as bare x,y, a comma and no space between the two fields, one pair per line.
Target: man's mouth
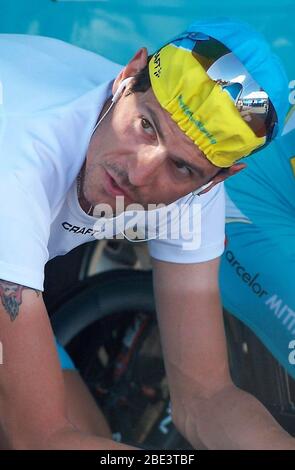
113,188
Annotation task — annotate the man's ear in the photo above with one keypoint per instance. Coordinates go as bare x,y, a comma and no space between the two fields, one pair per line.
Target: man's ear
223,174
137,63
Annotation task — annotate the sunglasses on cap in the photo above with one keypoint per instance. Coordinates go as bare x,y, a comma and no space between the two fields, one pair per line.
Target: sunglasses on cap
252,102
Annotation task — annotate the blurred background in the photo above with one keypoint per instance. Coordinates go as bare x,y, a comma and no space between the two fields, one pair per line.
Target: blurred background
116,28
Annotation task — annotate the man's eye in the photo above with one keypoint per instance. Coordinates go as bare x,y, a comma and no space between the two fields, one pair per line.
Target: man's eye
146,125
183,169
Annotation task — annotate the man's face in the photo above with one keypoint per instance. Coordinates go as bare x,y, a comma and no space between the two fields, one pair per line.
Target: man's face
138,151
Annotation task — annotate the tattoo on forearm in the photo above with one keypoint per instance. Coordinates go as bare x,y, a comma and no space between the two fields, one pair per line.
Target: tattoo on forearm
11,297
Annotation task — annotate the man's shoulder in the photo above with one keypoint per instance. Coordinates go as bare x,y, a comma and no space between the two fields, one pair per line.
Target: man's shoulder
56,49
41,73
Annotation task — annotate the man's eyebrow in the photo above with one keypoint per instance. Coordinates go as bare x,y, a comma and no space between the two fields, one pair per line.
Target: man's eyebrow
193,167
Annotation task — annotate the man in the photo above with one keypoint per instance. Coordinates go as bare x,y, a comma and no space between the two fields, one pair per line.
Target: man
152,144
257,268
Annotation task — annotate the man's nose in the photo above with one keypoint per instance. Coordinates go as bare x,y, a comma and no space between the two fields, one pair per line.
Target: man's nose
145,166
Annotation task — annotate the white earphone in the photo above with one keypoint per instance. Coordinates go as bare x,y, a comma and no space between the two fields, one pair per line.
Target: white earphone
121,88
115,98
197,191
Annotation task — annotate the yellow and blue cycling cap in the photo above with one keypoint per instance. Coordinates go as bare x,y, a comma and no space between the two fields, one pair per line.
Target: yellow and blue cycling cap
223,86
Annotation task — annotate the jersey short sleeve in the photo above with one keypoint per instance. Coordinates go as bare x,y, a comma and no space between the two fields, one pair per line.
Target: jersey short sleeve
201,236
24,231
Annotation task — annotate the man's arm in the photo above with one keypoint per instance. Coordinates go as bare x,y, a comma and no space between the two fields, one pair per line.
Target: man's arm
206,405
32,396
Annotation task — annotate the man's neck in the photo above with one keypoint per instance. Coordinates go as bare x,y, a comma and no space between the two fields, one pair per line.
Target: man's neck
85,205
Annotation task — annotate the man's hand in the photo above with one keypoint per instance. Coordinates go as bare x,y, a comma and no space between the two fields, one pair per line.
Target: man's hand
206,405
32,394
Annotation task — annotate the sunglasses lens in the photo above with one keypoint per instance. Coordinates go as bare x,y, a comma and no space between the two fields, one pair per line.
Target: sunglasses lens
252,102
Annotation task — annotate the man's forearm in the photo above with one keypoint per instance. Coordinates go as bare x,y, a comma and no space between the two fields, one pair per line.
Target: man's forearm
59,436
69,439
234,419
